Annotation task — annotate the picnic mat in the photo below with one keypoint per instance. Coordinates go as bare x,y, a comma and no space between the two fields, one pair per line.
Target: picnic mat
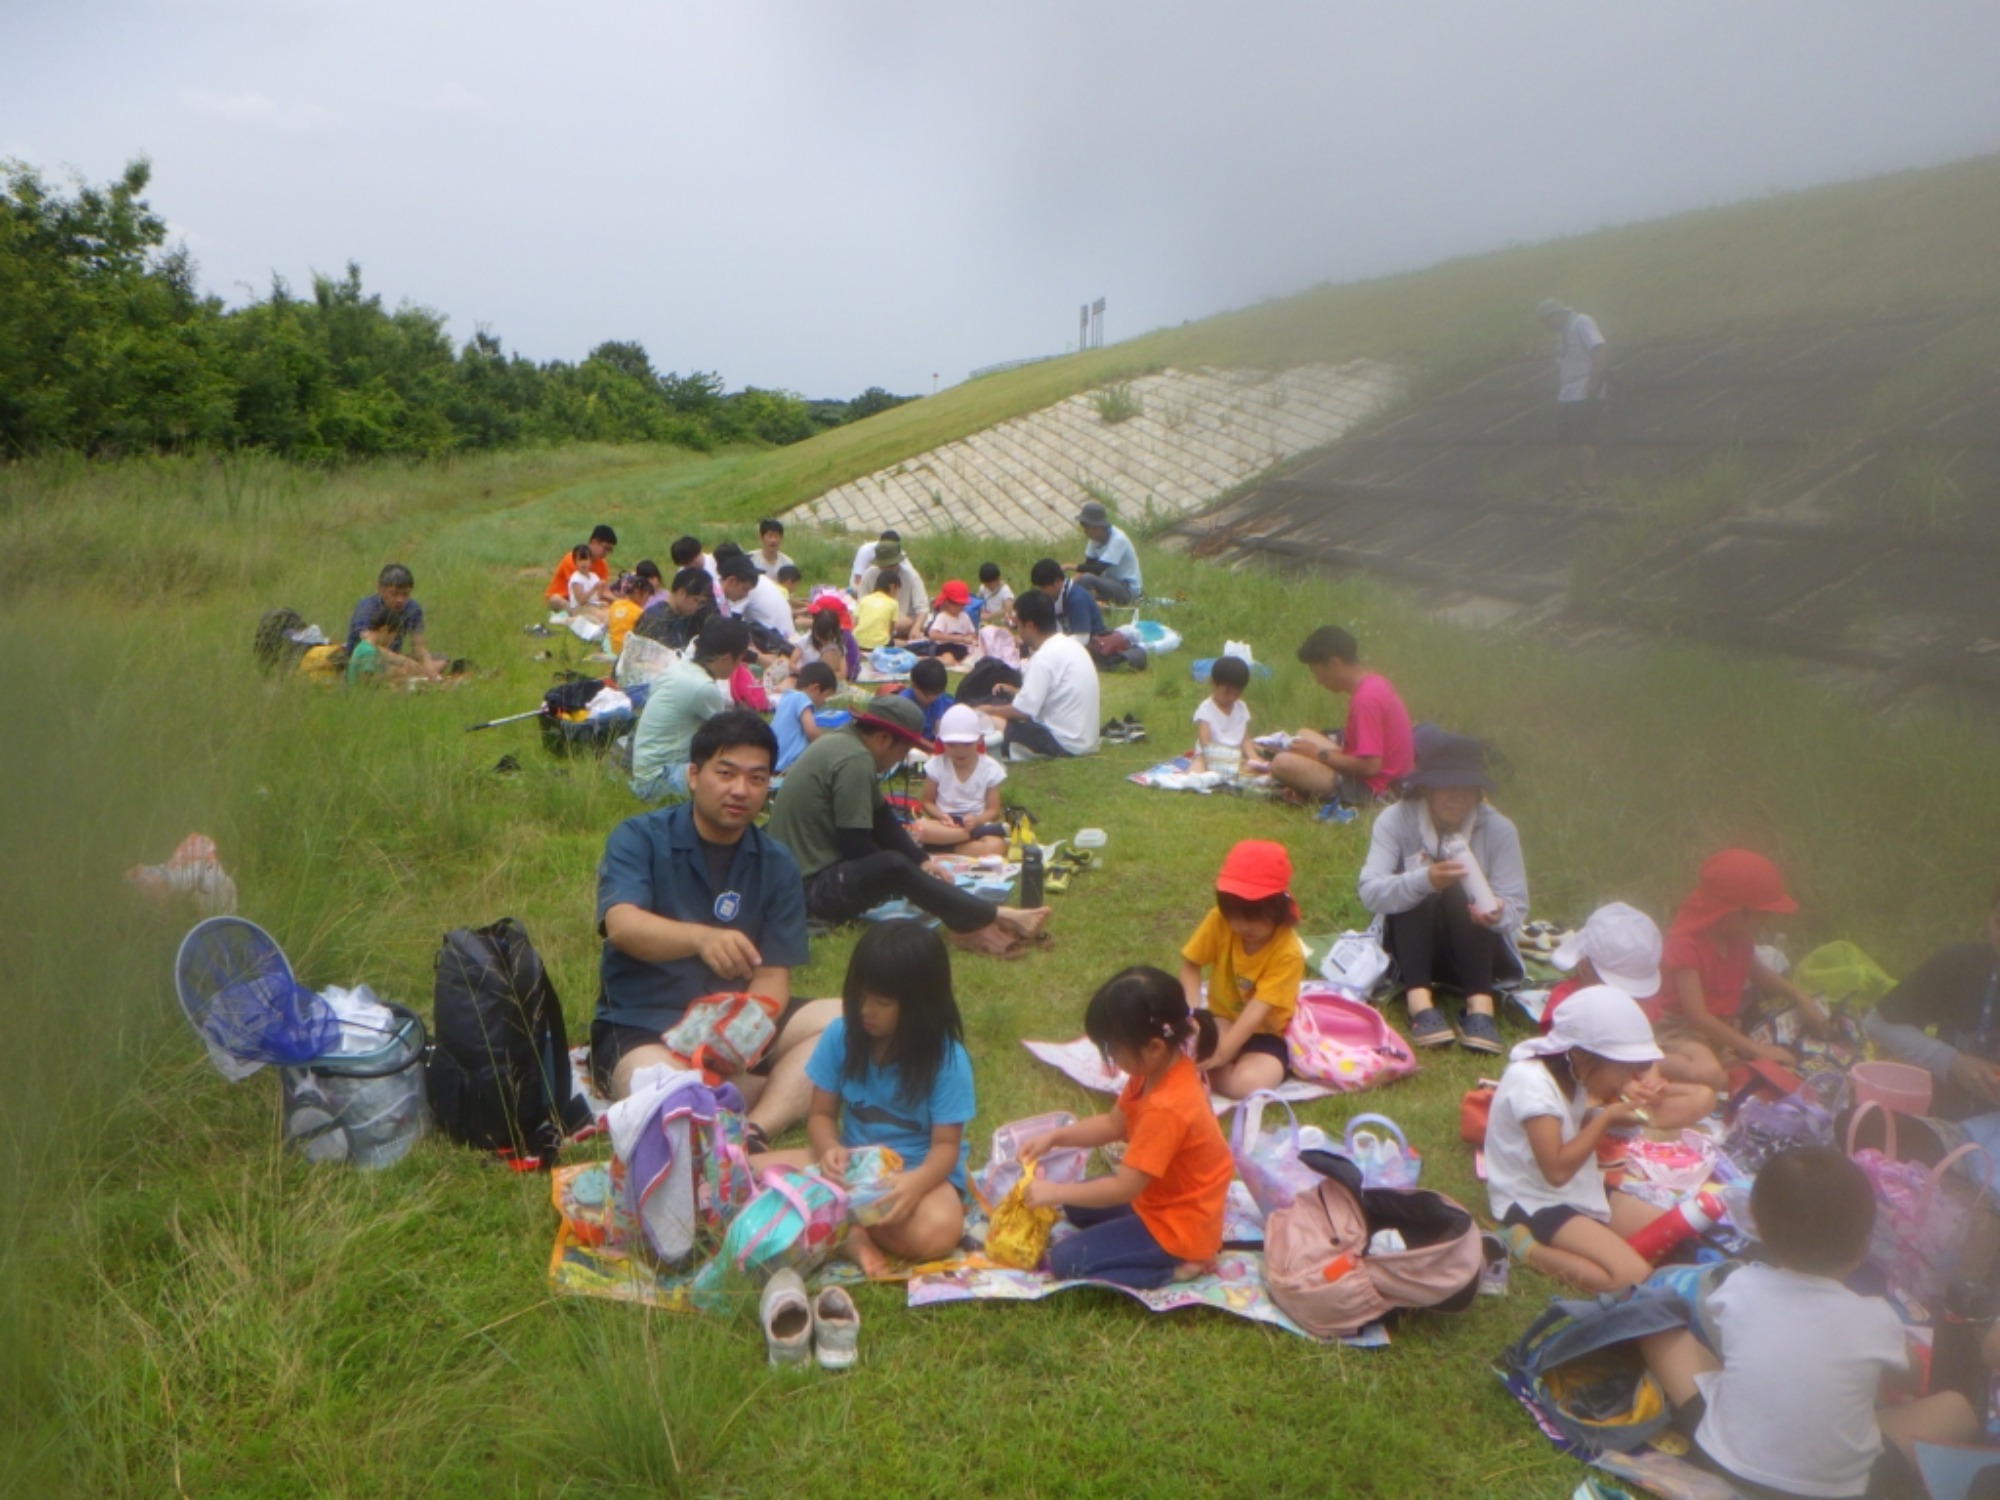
1179,775
600,1262
1081,1061
1235,1286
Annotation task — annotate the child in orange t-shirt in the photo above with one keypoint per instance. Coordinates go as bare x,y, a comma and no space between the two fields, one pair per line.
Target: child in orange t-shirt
1158,1216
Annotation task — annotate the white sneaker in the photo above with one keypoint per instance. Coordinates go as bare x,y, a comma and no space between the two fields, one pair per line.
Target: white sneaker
787,1319
836,1329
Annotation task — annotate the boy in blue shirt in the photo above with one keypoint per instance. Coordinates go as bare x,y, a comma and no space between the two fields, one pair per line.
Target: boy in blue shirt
927,691
792,720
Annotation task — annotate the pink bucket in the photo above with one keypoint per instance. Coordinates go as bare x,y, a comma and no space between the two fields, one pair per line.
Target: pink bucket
1897,1087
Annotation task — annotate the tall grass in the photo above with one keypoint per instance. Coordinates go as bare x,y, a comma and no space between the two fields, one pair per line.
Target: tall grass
184,1309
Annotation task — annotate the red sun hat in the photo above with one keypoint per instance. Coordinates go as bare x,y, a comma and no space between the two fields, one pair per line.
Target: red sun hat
1256,869
954,592
1733,880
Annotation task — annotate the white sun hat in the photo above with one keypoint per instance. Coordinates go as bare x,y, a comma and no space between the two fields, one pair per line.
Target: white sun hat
1622,944
961,725
1596,1019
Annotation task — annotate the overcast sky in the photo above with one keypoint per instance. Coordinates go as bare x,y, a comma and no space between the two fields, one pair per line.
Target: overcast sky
827,194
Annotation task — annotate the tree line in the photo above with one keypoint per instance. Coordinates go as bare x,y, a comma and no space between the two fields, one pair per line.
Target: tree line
108,346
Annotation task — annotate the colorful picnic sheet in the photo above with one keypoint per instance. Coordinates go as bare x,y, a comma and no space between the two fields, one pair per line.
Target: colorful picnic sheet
1235,1286
1081,1061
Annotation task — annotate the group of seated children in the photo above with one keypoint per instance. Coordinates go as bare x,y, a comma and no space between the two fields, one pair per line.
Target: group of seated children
893,1071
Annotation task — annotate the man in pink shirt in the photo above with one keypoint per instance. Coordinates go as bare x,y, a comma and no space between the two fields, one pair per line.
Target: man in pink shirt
1353,769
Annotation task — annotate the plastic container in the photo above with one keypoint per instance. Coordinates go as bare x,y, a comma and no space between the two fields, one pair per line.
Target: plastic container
1091,841
1897,1087
363,1108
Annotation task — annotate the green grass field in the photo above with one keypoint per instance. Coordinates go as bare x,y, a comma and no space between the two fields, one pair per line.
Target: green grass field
185,1310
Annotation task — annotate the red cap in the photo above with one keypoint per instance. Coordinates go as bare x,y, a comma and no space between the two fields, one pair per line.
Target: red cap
1733,880
1256,868
954,592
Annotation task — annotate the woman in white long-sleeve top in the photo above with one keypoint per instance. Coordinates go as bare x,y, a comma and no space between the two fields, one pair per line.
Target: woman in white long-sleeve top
1440,921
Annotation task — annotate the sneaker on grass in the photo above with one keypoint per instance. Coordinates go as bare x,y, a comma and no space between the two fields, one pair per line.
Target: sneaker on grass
1429,1028
1333,810
1480,1033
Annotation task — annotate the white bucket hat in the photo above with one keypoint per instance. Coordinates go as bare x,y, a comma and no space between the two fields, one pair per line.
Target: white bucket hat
1598,1019
1622,944
961,725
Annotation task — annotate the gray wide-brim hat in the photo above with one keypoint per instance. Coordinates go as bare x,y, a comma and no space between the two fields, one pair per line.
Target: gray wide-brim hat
1093,514
1550,308
898,715
1455,761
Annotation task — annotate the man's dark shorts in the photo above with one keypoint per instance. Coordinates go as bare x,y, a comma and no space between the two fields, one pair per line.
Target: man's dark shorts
1578,422
609,1042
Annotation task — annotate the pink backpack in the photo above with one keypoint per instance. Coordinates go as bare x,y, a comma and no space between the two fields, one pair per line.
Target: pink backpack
1324,1234
1344,1043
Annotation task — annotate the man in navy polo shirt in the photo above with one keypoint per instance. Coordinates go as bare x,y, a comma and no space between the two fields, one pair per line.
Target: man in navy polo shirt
692,900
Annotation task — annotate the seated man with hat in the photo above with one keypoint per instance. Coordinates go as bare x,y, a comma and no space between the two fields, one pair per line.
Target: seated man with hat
1109,571
911,600
1444,876
852,852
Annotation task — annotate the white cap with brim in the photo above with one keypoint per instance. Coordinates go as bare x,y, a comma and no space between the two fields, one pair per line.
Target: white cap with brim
1600,1020
961,725
1623,946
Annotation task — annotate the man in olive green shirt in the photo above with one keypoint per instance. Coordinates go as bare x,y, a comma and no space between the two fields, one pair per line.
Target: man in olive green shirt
852,852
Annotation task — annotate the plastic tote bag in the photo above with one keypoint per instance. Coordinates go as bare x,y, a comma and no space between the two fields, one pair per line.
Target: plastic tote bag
1923,1215
1268,1162
1384,1155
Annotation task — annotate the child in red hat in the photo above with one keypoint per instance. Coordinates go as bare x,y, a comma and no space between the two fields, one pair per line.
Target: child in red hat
1255,965
950,628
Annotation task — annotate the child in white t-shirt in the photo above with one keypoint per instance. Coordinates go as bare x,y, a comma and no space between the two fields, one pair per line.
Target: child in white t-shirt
961,801
1223,720
996,600
1560,1093
1790,1401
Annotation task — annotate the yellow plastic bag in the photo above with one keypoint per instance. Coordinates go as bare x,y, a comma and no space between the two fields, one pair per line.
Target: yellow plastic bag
1016,1235
1843,973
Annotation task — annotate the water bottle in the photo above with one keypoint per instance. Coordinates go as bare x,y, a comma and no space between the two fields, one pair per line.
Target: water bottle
1031,877
1686,1219
1477,889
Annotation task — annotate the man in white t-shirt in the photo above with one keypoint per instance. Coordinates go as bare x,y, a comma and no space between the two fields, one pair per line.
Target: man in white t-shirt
1054,711
770,554
1109,571
755,598
1583,363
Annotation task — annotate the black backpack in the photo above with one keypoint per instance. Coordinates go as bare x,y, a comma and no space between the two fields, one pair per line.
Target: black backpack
499,1075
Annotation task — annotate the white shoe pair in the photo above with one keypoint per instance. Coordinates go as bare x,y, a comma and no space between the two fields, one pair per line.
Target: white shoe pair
796,1331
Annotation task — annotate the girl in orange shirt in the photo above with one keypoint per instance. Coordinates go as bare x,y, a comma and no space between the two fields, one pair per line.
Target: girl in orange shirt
1158,1216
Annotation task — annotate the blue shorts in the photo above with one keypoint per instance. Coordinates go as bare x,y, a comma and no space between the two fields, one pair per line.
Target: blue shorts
1544,1223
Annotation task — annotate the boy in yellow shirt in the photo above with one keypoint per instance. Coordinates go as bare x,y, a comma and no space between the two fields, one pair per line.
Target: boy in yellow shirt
875,618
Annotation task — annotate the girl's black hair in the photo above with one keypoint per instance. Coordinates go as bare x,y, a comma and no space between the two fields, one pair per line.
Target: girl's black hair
1137,1005
907,962
824,633
1277,908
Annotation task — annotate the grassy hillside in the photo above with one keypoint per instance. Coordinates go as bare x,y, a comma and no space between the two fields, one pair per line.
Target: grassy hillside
1897,243
183,1309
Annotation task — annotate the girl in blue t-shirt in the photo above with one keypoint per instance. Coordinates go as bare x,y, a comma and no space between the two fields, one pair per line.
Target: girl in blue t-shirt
893,1071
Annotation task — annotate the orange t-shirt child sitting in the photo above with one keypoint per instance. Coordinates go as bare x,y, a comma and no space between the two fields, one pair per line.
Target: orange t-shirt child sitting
1172,1137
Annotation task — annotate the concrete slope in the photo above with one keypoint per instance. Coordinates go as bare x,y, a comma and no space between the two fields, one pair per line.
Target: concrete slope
1828,491
1194,436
